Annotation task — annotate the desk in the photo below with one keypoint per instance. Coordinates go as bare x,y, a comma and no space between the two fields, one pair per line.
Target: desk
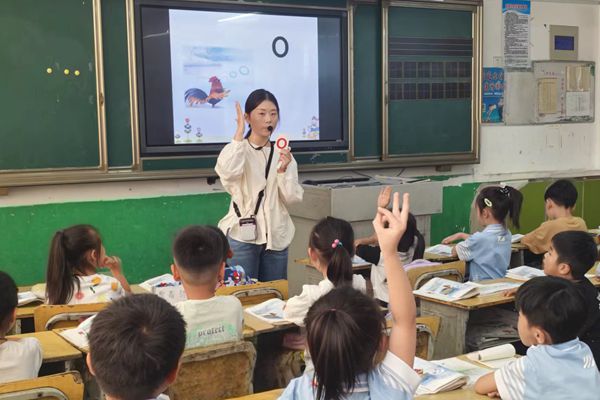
458,394
455,316
270,395
517,257
54,347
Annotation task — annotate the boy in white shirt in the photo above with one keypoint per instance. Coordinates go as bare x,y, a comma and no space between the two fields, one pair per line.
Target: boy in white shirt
557,365
19,359
199,265
136,345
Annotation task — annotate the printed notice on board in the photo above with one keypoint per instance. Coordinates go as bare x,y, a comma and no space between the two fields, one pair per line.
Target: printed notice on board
578,104
547,96
515,15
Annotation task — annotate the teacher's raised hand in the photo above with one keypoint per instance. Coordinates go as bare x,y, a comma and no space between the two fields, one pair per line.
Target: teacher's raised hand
239,131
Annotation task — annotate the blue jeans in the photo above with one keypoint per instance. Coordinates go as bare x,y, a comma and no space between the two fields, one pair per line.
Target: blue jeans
259,263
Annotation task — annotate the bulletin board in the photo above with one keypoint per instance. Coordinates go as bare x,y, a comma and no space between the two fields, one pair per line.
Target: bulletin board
551,92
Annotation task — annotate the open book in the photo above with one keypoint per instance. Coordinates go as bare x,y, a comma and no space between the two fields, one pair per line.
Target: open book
440,249
524,273
491,288
167,287
436,378
78,336
27,297
447,290
494,357
270,311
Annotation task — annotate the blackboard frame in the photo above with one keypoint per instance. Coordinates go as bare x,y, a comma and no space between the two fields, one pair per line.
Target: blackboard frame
437,158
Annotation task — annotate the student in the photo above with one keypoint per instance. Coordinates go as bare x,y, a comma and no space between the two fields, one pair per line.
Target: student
76,254
136,345
488,252
571,255
263,182
557,365
233,275
330,251
199,265
19,358
345,333
559,202
411,247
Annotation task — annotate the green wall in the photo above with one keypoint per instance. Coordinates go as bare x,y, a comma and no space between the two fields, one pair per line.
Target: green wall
139,231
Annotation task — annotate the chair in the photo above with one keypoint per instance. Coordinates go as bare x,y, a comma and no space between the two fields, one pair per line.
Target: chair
215,372
427,330
65,386
453,270
46,317
270,395
257,292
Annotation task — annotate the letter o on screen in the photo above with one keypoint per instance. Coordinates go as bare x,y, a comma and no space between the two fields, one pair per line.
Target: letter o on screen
286,46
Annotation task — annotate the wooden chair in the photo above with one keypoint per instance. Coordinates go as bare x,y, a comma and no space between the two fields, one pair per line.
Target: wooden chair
65,386
453,270
270,395
427,330
215,372
46,317
257,292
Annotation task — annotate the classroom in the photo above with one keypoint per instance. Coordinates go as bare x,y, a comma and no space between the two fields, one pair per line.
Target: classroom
299,199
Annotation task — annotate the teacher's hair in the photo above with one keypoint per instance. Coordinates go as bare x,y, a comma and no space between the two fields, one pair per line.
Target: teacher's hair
254,100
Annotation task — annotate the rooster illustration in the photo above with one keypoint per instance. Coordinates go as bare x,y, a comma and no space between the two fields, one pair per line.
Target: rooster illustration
195,97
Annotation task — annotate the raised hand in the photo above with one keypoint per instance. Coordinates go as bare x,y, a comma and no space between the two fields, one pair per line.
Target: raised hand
239,131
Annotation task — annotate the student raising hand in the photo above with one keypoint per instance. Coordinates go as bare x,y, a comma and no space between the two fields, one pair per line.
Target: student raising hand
390,226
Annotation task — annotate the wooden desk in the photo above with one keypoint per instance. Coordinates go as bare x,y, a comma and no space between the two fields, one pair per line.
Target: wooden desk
454,316
54,347
270,395
516,258
256,326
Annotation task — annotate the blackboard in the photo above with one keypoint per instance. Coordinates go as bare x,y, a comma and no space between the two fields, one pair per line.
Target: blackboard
48,97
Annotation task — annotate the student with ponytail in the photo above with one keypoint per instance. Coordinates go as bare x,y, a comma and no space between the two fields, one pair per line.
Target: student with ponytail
345,329
330,249
488,252
76,253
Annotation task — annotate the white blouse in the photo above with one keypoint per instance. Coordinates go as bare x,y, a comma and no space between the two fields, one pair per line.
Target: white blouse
297,307
242,172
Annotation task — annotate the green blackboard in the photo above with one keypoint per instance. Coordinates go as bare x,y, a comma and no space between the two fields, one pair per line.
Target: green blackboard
49,117
430,55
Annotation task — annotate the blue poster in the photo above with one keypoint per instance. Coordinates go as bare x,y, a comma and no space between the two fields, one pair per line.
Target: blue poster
493,95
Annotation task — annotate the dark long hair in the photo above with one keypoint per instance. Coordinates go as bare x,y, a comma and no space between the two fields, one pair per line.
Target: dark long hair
338,258
254,100
504,201
344,330
67,258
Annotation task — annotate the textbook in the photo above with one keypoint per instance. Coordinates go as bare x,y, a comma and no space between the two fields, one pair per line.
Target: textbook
27,297
494,357
436,378
524,273
492,288
447,290
440,249
78,336
167,287
469,369
270,311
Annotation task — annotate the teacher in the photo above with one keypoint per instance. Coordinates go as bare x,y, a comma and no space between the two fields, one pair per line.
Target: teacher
262,180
